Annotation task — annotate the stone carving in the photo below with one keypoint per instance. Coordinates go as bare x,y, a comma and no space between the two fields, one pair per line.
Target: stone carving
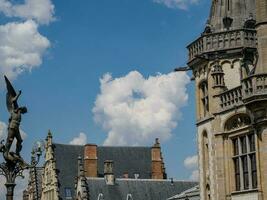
237,121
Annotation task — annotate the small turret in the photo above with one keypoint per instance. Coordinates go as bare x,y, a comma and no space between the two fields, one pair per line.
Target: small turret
218,78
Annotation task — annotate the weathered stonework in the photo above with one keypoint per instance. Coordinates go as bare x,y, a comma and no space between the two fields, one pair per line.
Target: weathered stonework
50,187
229,64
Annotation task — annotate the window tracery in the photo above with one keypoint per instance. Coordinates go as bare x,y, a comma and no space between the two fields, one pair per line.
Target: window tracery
237,121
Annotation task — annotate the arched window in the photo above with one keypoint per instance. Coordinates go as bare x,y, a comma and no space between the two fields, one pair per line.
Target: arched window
206,151
205,155
243,153
208,192
237,121
100,196
129,197
204,96
79,196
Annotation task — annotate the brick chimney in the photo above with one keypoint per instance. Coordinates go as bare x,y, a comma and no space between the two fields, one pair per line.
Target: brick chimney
90,160
157,169
108,172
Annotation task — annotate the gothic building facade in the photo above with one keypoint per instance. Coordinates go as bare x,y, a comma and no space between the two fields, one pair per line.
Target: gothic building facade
229,65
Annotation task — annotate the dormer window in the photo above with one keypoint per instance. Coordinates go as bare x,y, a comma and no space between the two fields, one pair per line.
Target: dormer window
68,193
136,175
129,197
100,196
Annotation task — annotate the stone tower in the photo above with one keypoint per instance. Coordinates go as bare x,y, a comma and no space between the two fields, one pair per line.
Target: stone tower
229,64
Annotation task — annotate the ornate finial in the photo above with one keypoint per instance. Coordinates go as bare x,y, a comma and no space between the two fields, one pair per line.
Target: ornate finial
157,143
49,134
80,166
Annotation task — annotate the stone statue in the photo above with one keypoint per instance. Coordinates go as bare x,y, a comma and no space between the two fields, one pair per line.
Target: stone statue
14,122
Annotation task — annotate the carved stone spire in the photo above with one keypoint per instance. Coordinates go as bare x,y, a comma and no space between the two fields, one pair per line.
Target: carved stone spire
82,190
230,14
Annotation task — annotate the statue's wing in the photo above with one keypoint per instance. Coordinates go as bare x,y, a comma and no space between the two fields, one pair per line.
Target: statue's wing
11,93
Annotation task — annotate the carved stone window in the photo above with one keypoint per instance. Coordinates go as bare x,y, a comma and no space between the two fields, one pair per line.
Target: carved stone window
237,121
244,159
204,97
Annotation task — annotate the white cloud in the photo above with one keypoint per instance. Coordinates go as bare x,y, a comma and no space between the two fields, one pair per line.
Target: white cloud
3,130
194,175
21,45
191,163
80,140
21,48
42,11
181,4
135,110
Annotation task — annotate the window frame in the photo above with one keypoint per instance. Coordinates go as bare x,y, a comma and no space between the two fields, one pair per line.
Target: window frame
246,177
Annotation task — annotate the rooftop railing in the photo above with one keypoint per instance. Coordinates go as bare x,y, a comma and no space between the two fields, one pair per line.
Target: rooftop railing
222,40
252,87
230,98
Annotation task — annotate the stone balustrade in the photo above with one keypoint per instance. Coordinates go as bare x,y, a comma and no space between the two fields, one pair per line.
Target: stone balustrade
255,85
222,40
251,88
230,98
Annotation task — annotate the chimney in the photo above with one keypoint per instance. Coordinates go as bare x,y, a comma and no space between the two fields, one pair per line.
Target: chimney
157,171
108,172
261,27
90,160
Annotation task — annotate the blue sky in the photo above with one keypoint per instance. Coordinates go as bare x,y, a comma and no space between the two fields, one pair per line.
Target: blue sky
88,39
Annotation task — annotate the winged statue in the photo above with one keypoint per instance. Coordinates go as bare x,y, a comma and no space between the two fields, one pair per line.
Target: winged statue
14,120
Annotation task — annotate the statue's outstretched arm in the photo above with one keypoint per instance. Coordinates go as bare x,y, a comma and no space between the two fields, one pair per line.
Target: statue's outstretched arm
15,98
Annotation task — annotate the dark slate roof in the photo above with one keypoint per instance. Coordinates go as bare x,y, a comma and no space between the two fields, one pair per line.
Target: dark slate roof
126,159
66,163
133,160
190,194
139,189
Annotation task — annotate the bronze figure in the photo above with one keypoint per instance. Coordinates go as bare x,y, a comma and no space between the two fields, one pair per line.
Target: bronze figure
14,121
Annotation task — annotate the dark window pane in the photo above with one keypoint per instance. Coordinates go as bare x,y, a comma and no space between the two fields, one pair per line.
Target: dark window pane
235,144
253,170
237,174
252,142
243,144
67,192
245,172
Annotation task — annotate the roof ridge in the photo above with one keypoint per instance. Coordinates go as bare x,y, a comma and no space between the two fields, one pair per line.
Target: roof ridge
125,146
102,146
139,179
